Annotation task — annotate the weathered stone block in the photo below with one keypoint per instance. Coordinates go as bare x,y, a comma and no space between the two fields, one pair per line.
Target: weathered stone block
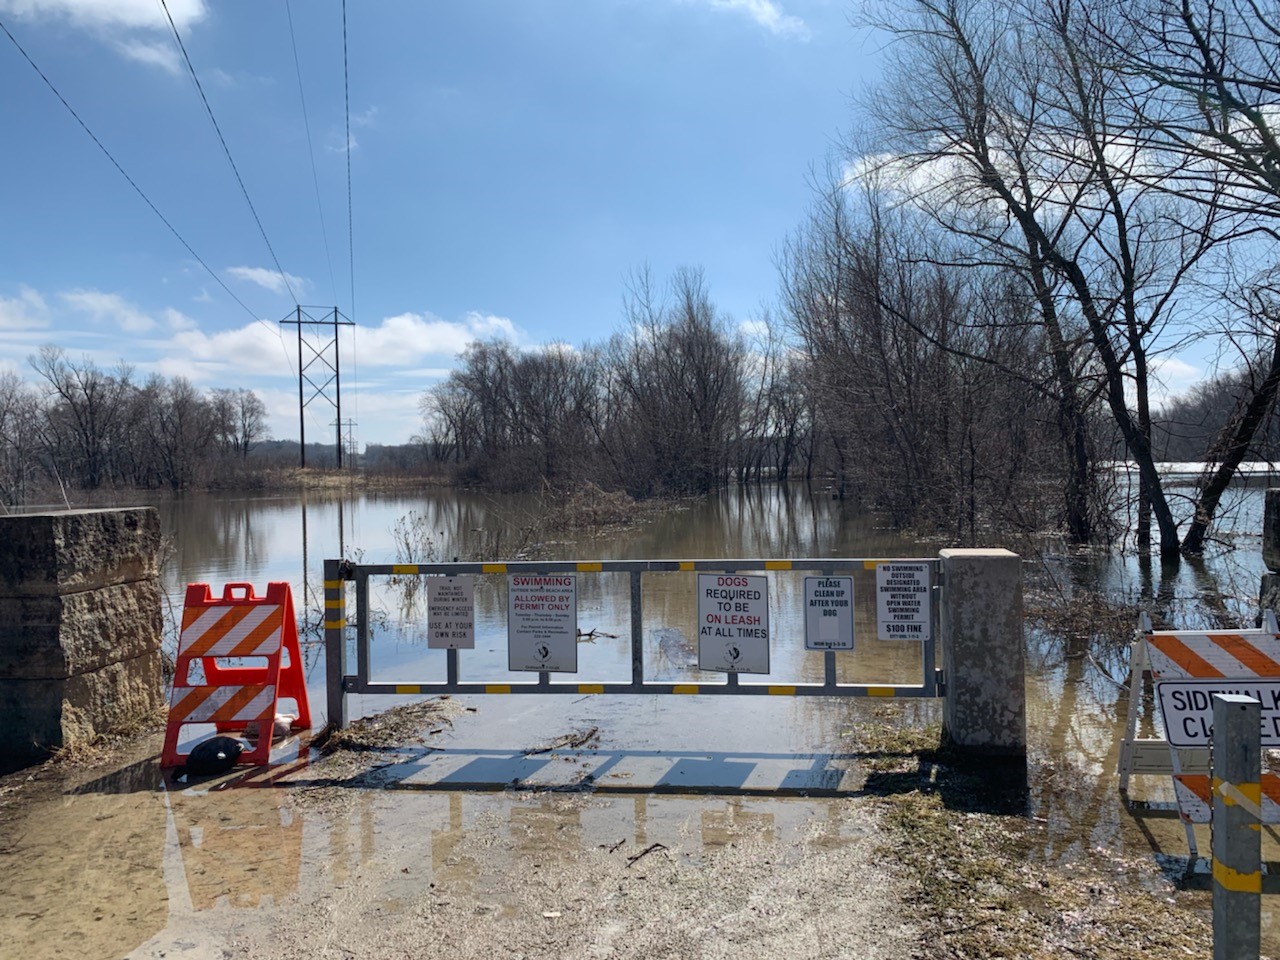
983,652
49,637
50,554
41,715
1271,530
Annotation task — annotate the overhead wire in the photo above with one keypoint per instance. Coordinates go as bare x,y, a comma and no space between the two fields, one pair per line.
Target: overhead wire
351,247
311,150
128,179
227,150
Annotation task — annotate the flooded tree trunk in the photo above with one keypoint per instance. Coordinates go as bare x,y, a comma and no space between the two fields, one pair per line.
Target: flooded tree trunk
1230,448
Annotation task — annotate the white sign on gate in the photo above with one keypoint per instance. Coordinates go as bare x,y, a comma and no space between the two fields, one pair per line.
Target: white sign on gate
542,622
903,607
451,613
828,613
1187,706
733,623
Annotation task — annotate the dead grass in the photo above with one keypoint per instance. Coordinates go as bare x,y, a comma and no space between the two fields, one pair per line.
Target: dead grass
107,746
976,879
396,727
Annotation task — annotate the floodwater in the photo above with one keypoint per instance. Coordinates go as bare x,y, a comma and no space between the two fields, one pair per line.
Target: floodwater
150,867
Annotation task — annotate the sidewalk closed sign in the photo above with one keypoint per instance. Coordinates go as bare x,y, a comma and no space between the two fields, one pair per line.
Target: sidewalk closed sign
1187,706
542,623
733,623
903,608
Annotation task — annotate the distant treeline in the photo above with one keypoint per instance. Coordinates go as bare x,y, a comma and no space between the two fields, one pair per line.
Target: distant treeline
77,427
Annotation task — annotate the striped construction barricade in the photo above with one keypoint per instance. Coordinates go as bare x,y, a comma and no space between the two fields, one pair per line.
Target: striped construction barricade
237,625
1213,661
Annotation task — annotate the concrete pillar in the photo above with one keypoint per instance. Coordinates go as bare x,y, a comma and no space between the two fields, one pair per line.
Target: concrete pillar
80,627
983,654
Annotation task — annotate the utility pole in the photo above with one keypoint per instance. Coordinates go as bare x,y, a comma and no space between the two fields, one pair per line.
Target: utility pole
349,443
325,358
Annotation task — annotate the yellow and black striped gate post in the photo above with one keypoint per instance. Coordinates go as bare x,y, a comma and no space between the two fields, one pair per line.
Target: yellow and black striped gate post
1237,827
335,642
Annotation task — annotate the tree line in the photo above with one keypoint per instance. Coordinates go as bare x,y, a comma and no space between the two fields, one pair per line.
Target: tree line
1041,202
79,427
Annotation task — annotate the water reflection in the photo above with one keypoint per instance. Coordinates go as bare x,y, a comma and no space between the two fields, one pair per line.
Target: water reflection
1077,697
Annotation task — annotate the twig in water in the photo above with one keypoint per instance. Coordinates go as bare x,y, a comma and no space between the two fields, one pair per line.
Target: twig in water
644,853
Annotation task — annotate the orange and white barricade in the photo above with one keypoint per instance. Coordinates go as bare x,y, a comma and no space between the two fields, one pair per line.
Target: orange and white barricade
1220,660
239,624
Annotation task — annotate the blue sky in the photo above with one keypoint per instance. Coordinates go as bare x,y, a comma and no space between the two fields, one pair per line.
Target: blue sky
512,162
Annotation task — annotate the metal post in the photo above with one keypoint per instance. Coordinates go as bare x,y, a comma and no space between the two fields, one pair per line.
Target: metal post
302,420
1237,836
337,382
335,646
364,645
637,630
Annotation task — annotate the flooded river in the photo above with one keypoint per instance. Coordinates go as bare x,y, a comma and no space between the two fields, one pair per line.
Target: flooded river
155,868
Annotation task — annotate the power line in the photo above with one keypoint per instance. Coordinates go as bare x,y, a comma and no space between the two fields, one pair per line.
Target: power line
226,150
137,189
311,150
346,93
351,246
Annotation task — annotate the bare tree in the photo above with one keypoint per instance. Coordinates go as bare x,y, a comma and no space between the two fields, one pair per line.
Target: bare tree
82,408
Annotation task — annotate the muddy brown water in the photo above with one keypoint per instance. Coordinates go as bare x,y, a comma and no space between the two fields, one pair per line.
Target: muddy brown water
116,865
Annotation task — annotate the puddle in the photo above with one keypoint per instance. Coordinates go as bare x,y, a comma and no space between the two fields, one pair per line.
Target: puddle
498,812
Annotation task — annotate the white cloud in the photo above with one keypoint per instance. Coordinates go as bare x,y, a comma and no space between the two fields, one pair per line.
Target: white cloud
109,306
26,311
177,320
269,279
767,14
407,338
1171,377
241,356
131,27
132,14
158,54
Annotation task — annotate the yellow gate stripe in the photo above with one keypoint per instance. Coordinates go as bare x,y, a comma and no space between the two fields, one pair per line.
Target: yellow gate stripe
588,567
685,688
404,568
497,688
782,691
777,564
408,688
880,691
591,688
686,564
335,624
1234,880
493,568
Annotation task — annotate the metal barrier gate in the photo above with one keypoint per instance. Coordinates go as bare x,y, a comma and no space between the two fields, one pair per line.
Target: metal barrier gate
339,682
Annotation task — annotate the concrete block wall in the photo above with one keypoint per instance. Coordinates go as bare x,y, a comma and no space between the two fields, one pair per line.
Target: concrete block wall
80,627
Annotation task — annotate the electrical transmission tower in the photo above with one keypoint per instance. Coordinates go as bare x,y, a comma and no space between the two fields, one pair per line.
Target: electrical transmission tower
349,444
320,369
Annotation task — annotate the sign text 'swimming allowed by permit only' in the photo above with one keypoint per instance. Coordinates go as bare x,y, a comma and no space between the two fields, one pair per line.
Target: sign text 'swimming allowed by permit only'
451,613
542,623
733,623
903,601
